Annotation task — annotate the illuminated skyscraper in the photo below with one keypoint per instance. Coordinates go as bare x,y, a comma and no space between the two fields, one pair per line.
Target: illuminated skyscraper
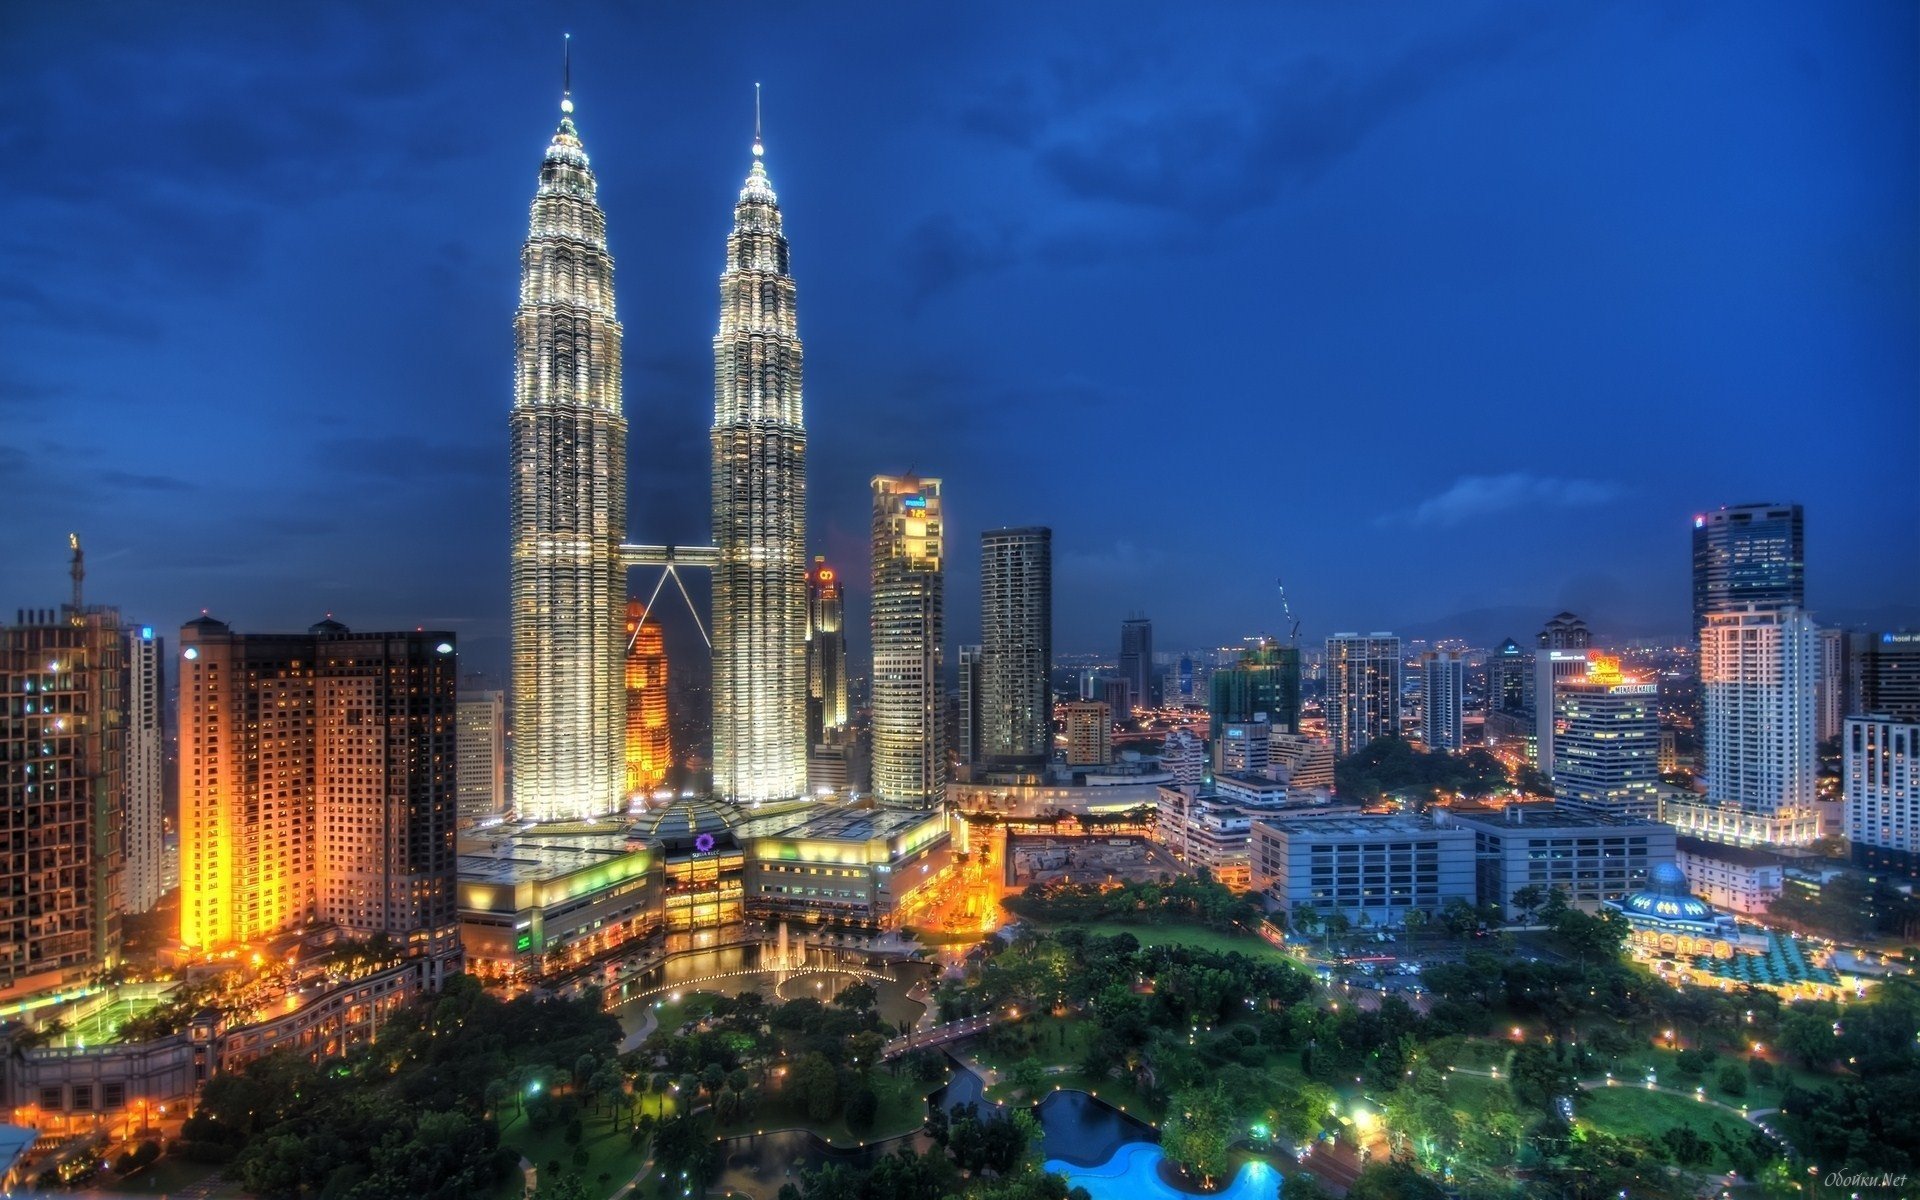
1266,680
1443,679
569,501
480,742
62,790
1562,655
317,782
759,513
826,654
1363,689
143,842
1016,647
1748,554
908,625
1606,745
967,719
649,740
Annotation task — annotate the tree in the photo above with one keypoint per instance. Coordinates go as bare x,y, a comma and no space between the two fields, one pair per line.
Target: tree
1686,1147
1528,900
862,1107
1197,1131
1733,1079
818,1085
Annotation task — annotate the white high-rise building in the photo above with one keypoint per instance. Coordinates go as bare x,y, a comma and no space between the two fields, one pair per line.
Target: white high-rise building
759,512
145,848
1443,684
1363,689
907,622
480,740
1880,770
1184,757
1758,670
1016,635
568,502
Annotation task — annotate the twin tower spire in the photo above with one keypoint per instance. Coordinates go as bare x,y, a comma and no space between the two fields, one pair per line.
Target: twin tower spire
569,555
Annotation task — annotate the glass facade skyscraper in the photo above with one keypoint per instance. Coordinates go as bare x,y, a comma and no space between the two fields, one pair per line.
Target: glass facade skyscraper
908,626
568,502
759,513
1748,554
1016,646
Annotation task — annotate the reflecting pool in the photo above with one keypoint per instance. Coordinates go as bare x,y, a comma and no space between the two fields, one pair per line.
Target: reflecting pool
1133,1173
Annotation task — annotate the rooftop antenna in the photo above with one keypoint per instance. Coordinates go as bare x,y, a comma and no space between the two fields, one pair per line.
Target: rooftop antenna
79,568
566,74
758,149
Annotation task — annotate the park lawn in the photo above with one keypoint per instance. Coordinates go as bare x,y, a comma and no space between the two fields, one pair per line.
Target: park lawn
1636,1112
168,1174
903,1109
942,937
1195,936
691,1006
607,1145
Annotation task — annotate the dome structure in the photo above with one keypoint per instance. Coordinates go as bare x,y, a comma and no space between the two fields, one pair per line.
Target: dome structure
1668,898
681,825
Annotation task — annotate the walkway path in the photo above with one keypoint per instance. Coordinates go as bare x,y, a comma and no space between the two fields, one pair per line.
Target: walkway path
940,1035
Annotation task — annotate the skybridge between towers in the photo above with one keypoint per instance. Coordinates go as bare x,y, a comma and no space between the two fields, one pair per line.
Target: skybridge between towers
670,559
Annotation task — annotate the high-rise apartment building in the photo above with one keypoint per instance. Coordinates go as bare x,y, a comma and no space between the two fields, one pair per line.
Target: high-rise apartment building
1884,675
1089,733
907,622
1265,680
1606,748
649,741
1748,554
568,504
967,723
1757,668
1016,651
317,785
1136,663
144,841
1443,687
480,755
1880,772
826,654
63,788
1363,689
1184,758
759,512
1830,684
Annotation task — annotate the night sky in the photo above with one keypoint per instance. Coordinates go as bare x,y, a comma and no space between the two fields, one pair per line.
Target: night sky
1451,315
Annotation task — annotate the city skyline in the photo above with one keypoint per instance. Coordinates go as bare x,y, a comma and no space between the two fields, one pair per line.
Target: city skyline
951,269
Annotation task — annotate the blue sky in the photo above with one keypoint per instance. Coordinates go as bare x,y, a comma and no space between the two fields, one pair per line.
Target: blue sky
1450,315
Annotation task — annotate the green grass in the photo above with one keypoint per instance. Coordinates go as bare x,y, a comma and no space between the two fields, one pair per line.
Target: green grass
1636,1112
607,1146
1195,936
169,1174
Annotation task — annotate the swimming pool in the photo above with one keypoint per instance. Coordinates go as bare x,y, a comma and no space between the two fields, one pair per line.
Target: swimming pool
1134,1172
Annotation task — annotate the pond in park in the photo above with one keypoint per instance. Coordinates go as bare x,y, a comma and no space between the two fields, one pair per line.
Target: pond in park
1133,1173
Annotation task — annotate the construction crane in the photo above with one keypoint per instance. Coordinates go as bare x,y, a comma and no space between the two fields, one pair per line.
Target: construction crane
1294,637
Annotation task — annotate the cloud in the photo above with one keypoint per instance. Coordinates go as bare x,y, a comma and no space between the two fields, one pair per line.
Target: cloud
146,483
943,250
1475,496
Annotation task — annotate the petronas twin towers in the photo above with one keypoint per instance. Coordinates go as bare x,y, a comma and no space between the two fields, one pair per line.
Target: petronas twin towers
569,502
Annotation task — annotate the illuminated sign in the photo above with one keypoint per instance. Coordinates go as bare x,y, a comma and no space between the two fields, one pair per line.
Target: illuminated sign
444,648
146,633
704,843
915,502
192,652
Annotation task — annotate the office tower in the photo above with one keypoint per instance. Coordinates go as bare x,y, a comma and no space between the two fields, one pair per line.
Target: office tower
1884,675
1114,692
1757,669
1507,669
759,513
1089,733
1265,680
480,755
1016,646
144,843
317,783
826,654
1562,655
1443,684
1244,748
1606,746
967,744
1880,772
1363,690
1830,684
907,622
63,740
1136,662
1748,554
569,501
1184,758
649,738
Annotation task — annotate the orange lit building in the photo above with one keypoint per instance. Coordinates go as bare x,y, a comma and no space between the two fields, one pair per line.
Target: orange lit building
649,740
